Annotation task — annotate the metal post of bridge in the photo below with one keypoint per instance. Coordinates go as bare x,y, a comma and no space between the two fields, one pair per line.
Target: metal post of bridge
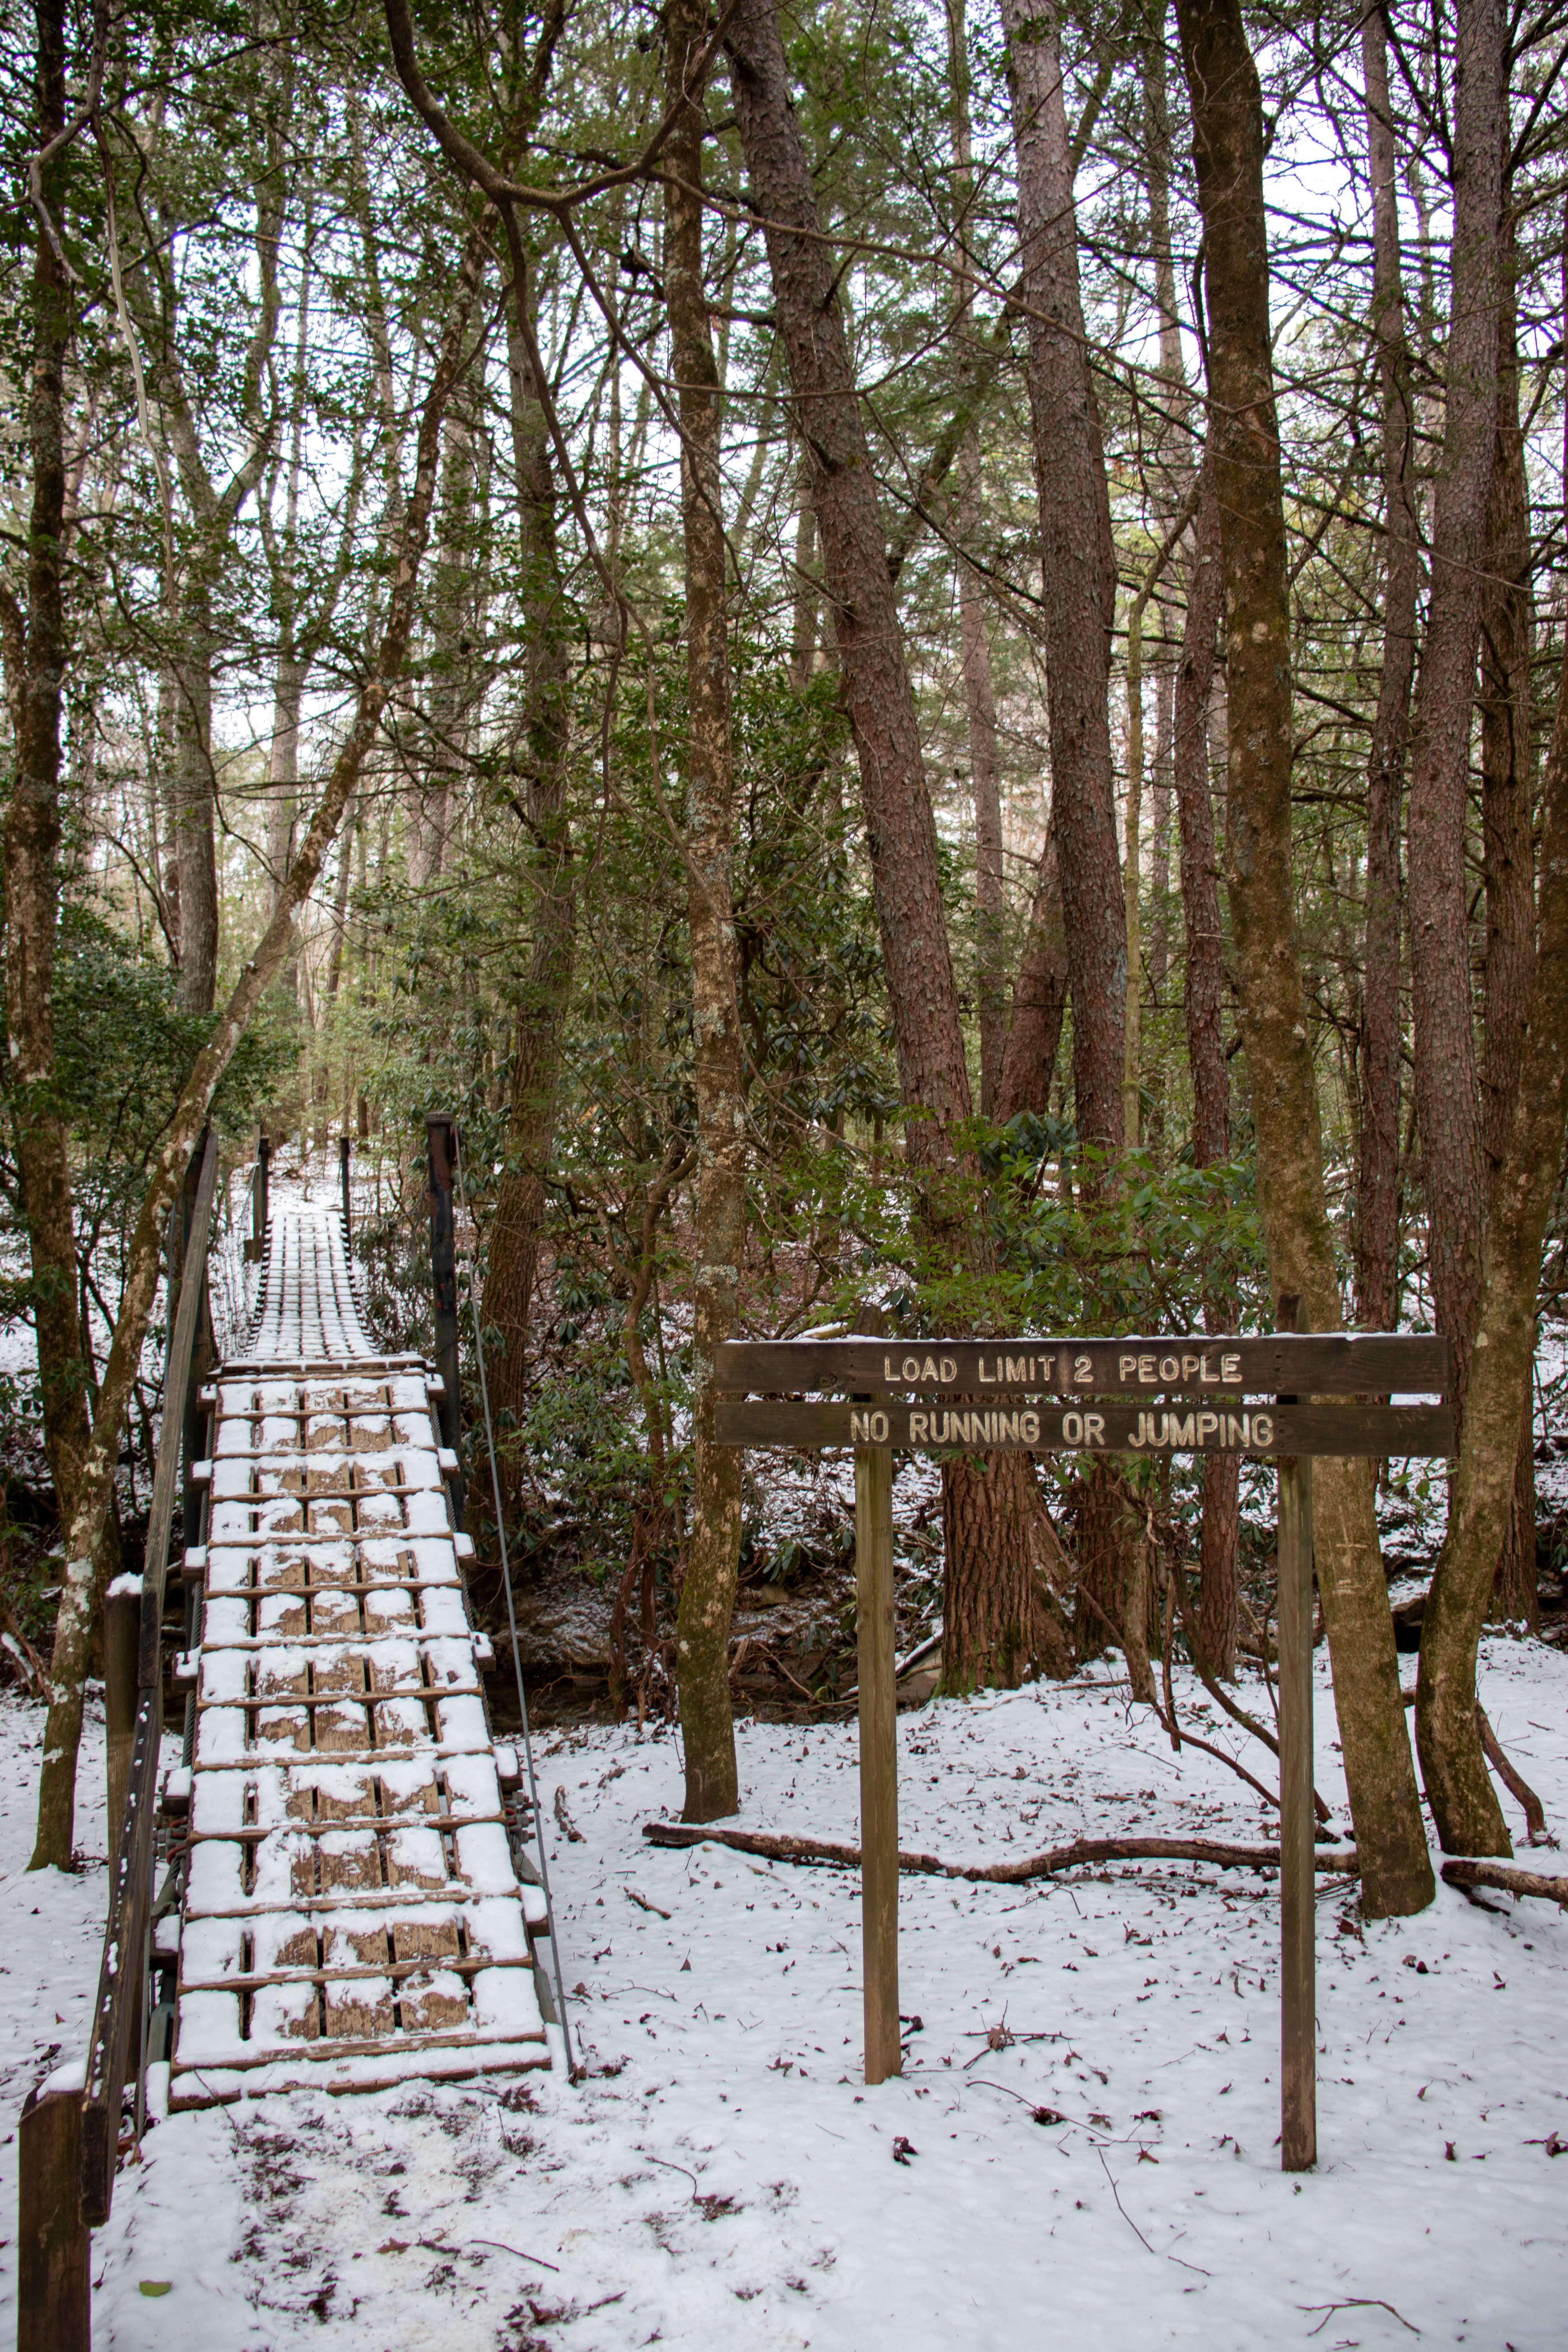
1298,1913
878,1751
440,1133
344,1148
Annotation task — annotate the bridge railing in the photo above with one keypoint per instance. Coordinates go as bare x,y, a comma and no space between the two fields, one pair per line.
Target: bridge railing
67,2160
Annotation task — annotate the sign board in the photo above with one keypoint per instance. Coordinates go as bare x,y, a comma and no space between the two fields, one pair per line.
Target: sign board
1331,1364
1186,1427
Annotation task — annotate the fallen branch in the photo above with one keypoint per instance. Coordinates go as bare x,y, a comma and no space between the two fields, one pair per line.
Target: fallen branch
1341,1862
1513,1780
1511,1882
1508,1772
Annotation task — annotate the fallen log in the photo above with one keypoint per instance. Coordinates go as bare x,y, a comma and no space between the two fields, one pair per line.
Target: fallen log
1503,1876
1340,1861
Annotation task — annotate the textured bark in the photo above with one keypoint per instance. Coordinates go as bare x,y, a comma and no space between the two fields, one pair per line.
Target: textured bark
1447,1092
979,694
1227,120
933,1078
1508,808
517,1221
1039,1003
1079,571
1458,1788
708,1586
985,784
1000,1627
431,787
1202,995
62,1731
1377,1159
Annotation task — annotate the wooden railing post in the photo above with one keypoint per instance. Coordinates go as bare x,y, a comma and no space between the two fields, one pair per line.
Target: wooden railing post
1298,1912
122,1646
192,1417
344,1148
256,1247
442,1146
53,2293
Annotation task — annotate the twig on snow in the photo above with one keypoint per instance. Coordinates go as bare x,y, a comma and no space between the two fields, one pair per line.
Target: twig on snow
1355,2303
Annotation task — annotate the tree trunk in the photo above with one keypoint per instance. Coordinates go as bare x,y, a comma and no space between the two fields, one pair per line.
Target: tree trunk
707,1586
431,787
1039,1001
1507,817
1458,1788
62,1732
195,798
979,693
1228,121
985,783
1377,1163
1078,573
1448,1091
985,1498
519,1215
1219,1544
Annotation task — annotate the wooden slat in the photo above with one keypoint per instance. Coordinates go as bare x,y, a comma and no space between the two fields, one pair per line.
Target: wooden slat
1106,1427
1354,1363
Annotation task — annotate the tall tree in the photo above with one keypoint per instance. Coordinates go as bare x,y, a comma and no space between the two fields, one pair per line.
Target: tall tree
35,651
1244,444
1458,1787
999,1620
1078,571
1377,1162
707,1586
1447,1081
1202,998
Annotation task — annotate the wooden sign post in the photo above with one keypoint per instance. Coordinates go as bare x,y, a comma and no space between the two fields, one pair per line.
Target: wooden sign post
1192,1393
878,1758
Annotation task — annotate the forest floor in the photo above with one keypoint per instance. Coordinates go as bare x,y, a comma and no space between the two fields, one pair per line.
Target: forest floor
722,2177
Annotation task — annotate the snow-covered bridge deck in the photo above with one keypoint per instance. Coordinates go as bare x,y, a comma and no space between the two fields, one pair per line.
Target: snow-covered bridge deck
359,1905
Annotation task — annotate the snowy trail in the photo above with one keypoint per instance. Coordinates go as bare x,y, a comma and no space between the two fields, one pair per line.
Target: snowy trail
723,2177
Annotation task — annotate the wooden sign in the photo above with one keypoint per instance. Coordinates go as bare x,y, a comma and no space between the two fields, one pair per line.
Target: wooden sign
1330,1363
1110,1428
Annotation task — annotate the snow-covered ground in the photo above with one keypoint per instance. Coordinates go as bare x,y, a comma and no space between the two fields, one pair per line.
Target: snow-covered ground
722,2177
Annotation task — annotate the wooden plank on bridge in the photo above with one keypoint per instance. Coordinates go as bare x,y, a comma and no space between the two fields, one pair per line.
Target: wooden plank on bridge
1104,1427
355,1909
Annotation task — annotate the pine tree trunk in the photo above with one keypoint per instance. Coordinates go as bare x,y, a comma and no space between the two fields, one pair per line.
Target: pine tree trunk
1377,1162
35,656
519,1215
1244,446
707,1586
1079,572
1447,1089
984,1496
1039,1001
1508,816
1219,1544
1458,1787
